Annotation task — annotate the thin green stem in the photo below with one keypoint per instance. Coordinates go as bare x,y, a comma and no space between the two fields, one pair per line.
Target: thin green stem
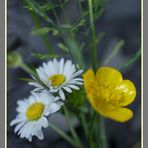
27,69
73,132
90,136
64,12
84,123
56,16
62,134
102,138
44,37
33,73
115,50
131,60
37,9
81,9
70,42
57,19
92,26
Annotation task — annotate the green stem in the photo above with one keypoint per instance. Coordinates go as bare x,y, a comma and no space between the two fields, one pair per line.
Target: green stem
115,50
57,19
33,73
37,9
73,132
62,134
70,41
44,37
64,12
90,136
84,124
131,60
102,141
80,8
27,69
91,19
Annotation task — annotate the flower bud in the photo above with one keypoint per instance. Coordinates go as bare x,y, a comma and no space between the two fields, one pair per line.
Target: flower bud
75,99
14,59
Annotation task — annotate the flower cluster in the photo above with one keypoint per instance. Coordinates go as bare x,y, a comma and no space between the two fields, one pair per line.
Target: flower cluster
58,77
106,91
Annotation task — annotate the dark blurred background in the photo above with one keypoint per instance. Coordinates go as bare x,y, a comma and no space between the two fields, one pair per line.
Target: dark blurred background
120,20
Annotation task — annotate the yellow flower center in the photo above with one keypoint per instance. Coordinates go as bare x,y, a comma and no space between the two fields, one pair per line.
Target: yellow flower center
57,79
34,112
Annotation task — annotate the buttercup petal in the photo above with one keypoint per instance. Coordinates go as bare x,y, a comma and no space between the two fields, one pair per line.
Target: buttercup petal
108,76
88,78
118,114
129,92
107,93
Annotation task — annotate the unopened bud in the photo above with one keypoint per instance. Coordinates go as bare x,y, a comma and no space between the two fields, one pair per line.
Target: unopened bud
14,59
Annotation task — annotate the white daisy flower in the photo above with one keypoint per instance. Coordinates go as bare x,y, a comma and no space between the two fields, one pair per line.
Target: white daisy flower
58,76
32,113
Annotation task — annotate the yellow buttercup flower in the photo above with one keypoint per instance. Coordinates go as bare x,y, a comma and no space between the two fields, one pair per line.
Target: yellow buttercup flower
108,93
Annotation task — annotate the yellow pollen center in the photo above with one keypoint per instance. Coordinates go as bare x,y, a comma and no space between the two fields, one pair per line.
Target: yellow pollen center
35,111
57,79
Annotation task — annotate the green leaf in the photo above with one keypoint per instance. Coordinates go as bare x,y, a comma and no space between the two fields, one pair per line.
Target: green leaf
34,6
98,6
29,8
131,60
115,50
81,23
65,2
86,13
32,71
48,6
44,36
76,99
63,47
99,37
69,27
82,45
26,79
40,31
44,56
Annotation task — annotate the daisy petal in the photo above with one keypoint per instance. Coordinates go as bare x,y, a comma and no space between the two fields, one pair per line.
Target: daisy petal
40,134
67,89
61,66
32,119
19,126
61,94
73,87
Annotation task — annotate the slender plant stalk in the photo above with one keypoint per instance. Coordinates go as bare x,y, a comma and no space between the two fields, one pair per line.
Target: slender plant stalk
62,134
115,50
57,19
131,60
44,37
71,42
90,136
94,63
102,138
84,123
64,12
73,132
36,8
91,19
27,69
80,8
